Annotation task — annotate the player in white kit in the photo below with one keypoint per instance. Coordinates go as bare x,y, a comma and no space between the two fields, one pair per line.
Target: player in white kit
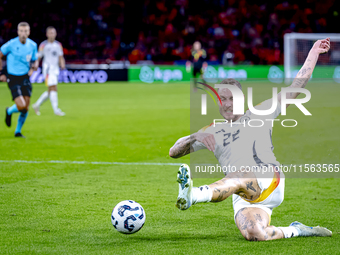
256,191
53,57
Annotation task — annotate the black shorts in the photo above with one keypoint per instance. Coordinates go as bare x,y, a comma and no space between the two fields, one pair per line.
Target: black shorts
197,69
19,85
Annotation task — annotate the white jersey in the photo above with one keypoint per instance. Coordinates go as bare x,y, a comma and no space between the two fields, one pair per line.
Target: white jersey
50,52
240,145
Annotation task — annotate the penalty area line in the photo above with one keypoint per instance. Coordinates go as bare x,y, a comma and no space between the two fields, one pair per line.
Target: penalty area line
89,162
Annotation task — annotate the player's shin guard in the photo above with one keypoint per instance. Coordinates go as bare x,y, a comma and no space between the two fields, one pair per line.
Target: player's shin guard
42,99
21,121
54,100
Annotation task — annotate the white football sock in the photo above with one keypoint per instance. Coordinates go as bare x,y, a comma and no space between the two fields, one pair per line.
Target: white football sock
201,194
289,232
54,100
42,98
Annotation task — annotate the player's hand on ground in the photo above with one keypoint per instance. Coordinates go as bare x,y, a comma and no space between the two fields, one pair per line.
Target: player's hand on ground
3,78
207,139
322,46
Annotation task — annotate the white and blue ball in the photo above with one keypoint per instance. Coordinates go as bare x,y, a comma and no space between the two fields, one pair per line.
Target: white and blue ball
128,217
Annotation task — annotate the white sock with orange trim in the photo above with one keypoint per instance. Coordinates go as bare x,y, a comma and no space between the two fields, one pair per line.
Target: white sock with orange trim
42,99
201,194
289,232
54,101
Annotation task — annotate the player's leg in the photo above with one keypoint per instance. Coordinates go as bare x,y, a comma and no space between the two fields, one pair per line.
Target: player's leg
27,102
22,117
241,183
195,73
253,224
36,106
45,95
14,85
53,92
204,66
19,104
253,219
26,90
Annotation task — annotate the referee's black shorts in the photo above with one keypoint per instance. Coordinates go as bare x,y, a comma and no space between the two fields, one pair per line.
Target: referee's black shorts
19,85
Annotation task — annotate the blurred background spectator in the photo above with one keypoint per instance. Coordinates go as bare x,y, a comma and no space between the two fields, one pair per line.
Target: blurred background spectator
232,32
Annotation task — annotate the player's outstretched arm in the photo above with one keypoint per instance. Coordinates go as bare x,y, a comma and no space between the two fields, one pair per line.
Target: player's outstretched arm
303,76
2,72
183,146
62,62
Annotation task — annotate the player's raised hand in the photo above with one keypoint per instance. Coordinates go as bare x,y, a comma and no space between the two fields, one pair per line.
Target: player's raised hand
322,46
207,139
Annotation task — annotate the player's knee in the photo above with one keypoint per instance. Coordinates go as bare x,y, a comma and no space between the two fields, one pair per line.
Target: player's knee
233,183
171,153
24,110
21,107
254,233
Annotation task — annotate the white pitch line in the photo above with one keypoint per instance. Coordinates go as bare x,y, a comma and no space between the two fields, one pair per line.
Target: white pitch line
90,163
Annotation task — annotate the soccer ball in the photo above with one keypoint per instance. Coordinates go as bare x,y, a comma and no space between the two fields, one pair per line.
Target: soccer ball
128,217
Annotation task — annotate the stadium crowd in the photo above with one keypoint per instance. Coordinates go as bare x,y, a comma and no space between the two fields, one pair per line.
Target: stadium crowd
248,32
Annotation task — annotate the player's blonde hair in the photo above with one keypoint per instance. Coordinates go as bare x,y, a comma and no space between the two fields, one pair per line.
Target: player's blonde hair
232,81
23,24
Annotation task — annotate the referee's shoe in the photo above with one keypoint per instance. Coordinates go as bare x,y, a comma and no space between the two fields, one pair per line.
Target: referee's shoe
8,119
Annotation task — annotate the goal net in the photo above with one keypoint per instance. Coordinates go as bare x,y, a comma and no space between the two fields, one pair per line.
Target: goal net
296,48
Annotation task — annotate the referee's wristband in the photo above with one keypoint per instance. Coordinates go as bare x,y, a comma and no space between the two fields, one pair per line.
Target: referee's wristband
3,71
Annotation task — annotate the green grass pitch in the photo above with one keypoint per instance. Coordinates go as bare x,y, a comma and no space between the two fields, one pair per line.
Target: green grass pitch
64,208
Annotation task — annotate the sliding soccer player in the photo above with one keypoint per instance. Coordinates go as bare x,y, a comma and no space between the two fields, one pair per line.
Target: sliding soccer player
255,193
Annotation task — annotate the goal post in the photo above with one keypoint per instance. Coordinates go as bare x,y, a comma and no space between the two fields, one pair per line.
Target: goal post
296,48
